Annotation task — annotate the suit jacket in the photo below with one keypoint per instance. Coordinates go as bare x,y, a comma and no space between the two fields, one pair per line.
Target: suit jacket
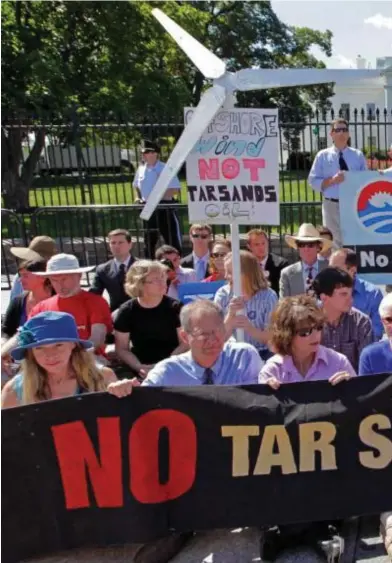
292,281
106,277
274,266
187,262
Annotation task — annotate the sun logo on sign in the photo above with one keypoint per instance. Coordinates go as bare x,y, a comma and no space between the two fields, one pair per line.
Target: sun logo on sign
374,207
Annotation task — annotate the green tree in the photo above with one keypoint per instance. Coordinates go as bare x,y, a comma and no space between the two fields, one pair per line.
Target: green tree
115,57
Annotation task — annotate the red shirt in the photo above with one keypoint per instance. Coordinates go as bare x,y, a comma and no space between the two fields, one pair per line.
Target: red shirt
86,308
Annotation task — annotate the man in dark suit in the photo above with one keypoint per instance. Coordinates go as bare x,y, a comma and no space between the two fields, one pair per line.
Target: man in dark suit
272,264
199,258
111,275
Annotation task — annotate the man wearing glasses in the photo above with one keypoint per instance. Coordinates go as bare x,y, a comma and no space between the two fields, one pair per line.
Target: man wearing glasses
199,258
328,170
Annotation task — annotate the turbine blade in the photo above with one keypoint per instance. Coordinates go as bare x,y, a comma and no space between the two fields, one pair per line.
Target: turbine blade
208,107
208,63
262,79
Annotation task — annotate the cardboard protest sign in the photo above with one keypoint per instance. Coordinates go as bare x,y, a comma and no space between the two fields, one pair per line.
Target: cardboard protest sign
233,170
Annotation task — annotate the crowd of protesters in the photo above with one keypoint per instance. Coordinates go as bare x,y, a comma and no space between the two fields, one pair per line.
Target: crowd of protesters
314,319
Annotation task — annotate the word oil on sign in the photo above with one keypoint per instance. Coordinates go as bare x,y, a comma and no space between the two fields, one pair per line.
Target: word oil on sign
233,170
366,222
97,470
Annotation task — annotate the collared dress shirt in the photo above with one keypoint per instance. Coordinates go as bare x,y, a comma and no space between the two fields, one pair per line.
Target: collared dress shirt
238,364
146,177
326,363
326,165
367,298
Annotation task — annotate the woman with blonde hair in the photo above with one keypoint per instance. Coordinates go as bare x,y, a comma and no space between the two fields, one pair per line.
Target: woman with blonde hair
220,249
150,319
55,362
252,310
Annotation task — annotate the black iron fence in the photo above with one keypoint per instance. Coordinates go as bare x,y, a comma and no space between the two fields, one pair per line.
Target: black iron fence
82,230
88,161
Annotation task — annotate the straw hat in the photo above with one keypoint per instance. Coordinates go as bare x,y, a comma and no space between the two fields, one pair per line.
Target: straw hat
61,264
308,233
40,248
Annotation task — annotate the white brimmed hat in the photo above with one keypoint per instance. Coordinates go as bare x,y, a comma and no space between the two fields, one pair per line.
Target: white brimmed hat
63,264
308,233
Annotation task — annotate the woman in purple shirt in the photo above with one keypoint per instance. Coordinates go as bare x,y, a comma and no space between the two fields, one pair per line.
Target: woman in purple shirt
296,329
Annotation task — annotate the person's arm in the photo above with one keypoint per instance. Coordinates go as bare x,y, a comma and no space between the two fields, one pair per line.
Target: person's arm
284,286
9,397
12,317
98,335
121,342
17,288
317,178
97,286
136,185
270,375
363,162
9,345
108,375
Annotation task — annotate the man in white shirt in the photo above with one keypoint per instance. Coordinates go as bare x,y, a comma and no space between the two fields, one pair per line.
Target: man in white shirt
163,221
327,174
182,275
199,258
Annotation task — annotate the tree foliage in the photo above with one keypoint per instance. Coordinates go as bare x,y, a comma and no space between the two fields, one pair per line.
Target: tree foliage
114,57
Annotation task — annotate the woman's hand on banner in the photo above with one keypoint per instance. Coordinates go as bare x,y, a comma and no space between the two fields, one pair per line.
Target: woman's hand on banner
273,383
339,376
122,388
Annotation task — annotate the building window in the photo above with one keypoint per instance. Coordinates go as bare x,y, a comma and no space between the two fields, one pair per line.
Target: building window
370,110
322,143
345,110
372,142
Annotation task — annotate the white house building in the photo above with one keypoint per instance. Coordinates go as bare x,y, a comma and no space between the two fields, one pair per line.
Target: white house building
367,97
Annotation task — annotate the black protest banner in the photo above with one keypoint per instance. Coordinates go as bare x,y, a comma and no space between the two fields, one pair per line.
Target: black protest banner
96,470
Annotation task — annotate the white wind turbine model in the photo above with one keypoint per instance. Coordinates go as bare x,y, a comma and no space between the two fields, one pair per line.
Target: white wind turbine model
225,84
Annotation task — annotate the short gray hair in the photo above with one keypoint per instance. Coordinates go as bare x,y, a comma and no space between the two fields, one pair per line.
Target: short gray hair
385,305
199,306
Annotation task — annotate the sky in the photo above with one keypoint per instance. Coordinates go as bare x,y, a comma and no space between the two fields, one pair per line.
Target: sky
359,27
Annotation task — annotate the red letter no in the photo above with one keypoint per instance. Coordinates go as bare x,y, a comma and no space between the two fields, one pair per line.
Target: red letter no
144,461
75,454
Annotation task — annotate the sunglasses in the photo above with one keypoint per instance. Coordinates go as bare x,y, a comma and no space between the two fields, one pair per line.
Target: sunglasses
340,130
218,254
307,244
387,320
304,332
200,236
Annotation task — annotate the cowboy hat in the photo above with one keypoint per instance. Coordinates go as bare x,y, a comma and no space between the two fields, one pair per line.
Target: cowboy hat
49,327
40,248
61,264
308,233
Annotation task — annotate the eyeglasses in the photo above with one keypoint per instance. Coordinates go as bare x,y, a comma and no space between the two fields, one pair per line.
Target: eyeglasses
204,336
218,254
387,320
199,236
156,280
304,332
340,130
306,244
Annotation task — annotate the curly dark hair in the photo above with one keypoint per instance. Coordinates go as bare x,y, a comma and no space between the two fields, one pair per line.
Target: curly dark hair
293,314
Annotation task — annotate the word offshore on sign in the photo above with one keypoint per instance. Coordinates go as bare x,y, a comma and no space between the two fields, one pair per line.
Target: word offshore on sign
233,170
366,219
135,469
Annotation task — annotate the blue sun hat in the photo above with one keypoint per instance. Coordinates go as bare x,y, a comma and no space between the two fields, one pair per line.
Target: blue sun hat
49,327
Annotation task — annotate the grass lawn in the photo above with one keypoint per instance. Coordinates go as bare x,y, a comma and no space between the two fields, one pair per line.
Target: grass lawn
85,222
293,188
